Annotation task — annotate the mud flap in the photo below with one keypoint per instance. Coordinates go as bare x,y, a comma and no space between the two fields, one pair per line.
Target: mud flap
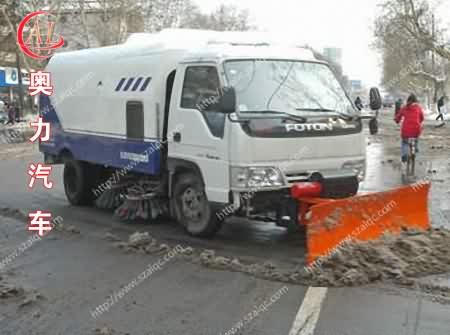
373,126
332,223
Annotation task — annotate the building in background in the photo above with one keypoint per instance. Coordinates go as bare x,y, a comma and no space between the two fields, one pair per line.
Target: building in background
9,83
355,85
357,89
345,82
334,55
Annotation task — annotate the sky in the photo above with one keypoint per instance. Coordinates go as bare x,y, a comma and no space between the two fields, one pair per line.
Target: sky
346,24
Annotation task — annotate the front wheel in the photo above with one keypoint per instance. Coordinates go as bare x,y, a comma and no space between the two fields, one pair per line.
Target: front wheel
192,208
373,126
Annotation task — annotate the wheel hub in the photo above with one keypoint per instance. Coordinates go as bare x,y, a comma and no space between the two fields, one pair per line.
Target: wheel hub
192,201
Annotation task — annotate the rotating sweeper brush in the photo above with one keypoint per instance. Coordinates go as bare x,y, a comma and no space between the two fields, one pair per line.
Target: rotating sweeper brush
111,198
141,201
133,200
330,223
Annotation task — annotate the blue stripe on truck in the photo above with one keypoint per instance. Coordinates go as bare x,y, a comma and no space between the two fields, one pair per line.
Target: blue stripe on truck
120,84
145,84
136,84
132,155
129,81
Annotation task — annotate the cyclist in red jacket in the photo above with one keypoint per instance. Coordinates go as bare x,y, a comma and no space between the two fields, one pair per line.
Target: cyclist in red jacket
412,117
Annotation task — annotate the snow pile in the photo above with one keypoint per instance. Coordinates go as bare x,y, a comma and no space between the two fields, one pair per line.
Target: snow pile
398,259
143,243
395,259
104,331
17,133
8,291
14,213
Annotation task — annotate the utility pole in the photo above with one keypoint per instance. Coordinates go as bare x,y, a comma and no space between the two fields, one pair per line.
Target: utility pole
433,57
433,36
20,85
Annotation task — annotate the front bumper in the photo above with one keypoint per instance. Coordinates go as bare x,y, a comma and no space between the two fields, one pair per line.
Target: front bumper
263,201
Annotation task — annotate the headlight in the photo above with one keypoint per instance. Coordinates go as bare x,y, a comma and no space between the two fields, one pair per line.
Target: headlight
358,168
256,177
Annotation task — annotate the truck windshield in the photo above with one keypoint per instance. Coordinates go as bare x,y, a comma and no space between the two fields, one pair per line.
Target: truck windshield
286,87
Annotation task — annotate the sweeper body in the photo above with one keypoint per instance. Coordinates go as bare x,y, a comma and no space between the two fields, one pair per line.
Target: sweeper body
218,124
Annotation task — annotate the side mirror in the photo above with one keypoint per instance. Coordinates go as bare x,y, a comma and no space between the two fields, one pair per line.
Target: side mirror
227,102
375,99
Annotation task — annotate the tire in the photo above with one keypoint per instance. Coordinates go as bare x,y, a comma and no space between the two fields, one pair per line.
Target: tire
78,182
191,207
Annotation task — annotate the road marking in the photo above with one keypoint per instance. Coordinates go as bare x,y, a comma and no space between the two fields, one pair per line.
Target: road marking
308,314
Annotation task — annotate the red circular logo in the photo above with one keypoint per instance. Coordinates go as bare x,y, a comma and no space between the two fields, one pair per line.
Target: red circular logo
34,45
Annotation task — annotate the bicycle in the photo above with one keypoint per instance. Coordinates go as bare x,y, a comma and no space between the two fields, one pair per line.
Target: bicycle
412,152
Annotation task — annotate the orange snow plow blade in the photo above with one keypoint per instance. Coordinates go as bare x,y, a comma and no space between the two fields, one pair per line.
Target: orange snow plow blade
332,223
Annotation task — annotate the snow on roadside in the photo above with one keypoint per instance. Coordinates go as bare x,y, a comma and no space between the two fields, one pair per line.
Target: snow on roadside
399,259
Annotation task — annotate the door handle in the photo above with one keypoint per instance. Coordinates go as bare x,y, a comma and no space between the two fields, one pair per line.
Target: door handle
177,137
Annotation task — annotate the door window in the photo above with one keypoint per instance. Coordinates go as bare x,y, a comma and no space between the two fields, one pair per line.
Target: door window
135,120
201,91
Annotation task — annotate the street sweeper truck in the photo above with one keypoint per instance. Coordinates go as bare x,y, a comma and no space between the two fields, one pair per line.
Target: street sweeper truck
201,126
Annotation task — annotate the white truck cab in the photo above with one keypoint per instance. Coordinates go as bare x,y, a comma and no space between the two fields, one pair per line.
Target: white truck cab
227,124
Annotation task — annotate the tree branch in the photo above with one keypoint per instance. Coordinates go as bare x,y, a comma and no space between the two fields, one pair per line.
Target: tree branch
14,31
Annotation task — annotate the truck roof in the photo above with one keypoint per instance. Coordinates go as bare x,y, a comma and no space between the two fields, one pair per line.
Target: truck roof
192,45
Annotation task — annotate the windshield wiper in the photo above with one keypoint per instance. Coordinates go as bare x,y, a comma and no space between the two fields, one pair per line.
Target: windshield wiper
315,110
286,115
344,116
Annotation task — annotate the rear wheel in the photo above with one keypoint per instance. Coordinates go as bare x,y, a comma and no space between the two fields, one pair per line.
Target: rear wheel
192,208
411,163
78,183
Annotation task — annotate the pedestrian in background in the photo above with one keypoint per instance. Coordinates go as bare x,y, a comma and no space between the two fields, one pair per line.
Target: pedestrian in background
441,110
358,103
11,113
16,112
398,105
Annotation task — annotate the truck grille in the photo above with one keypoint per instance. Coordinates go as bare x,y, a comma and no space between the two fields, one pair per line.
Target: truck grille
293,178
333,187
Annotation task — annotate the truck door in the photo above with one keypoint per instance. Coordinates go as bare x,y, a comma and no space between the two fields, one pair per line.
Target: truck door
197,130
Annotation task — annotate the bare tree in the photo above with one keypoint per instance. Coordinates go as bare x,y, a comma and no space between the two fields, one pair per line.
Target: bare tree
336,68
160,14
415,55
224,18
93,23
10,16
